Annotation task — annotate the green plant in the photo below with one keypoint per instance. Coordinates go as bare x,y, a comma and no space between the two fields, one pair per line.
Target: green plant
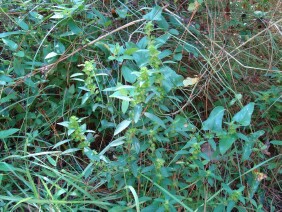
138,108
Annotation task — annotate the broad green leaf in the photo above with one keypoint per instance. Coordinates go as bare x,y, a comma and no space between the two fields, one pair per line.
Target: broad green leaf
18,67
177,56
11,44
130,51
173,32
85,97
70,151
61,143
243,117
141,57
162,39
127,74
249,144
276,142
73,27
154,15
60,48
124,106
163,24
137,113
136,145
182,124
165,53
171,79
7,133
214,122
122,126
19,54
155,119
6,34
122,13
22,24
119,96
119,141
226,142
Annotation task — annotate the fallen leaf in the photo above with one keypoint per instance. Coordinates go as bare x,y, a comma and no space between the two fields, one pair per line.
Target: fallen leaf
190,81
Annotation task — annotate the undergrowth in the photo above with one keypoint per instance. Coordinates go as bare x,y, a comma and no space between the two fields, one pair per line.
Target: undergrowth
134,106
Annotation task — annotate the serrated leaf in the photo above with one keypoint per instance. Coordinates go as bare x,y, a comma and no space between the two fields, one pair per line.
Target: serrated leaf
122,126
243,117
214,122
7,133
155,119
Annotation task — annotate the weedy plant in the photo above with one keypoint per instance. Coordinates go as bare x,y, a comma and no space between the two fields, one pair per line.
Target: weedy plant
127,106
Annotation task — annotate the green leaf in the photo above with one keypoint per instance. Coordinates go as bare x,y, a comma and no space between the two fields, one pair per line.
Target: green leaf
276,142
5,167
137,113
124,106
141,57
214,122
51,55
73,27
154,118
119,141
249,144
18,67
163,24
11,44
127,74
243,117
171,78
122,126
7,133
19,54
51,160
22,24
118,95
226,142
122,13
6,34
177,56
154,15
61,142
